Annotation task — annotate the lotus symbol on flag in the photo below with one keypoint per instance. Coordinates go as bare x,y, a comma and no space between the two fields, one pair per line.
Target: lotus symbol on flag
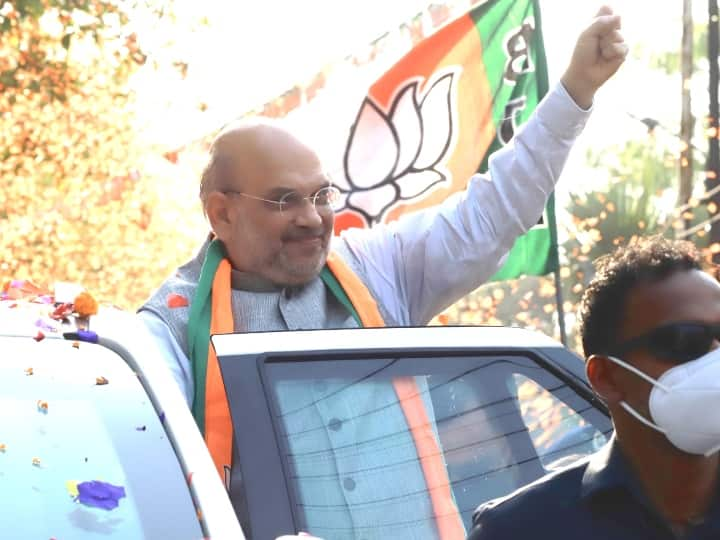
398,155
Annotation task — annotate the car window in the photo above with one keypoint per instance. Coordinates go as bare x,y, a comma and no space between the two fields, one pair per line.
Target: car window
559,433
352,462
74,414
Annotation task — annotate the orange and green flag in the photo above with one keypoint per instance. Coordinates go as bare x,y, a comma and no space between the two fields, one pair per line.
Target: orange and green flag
431,121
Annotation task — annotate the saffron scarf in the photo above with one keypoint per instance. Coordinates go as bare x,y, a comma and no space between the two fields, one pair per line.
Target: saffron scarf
211,313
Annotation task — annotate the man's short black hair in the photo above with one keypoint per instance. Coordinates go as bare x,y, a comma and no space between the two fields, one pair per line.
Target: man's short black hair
643,260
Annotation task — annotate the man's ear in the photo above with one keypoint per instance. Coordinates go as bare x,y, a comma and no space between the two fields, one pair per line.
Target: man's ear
601,374
218,213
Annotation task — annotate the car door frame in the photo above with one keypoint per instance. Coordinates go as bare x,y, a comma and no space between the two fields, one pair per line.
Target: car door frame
260,476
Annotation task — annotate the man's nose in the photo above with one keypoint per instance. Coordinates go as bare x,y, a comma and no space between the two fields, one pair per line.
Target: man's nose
308,215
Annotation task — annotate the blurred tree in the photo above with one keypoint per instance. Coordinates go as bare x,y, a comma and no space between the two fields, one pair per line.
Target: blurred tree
638,200
74,205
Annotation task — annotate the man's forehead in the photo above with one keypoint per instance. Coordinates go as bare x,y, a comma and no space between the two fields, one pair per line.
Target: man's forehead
686,295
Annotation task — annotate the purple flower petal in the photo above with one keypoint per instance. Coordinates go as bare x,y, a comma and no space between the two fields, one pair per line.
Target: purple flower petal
100,494
44,325
17,283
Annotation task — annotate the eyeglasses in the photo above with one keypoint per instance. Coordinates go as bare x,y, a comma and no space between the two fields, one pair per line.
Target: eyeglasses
677,342
325,200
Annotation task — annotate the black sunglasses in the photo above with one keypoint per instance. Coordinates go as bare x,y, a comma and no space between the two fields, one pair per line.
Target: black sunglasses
676,342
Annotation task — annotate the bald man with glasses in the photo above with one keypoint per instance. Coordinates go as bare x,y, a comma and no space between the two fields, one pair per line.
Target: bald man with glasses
272,262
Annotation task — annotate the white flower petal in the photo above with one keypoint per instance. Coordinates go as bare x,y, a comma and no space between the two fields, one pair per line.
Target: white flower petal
437,123
342,202
405,117
338,178
414,184
373,202
372,150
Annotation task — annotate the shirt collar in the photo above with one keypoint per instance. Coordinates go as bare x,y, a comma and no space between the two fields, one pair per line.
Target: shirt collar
252,282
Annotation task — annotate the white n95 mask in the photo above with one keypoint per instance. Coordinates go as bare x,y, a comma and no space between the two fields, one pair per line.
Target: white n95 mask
685,403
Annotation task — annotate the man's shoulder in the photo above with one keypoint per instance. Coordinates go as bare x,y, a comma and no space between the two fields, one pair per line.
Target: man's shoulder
170,303
175,291
178,288
541,505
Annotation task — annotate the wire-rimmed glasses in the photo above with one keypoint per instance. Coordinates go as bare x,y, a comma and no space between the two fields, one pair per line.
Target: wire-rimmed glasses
325,199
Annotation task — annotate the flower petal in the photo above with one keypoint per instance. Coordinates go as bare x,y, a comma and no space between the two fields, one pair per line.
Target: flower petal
414,184
405,117
100,494
176,301
339,180
71,486
436,112
373,202
372,150
342,202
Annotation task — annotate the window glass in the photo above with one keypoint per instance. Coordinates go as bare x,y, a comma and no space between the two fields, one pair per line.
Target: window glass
60,428
352,431
559,433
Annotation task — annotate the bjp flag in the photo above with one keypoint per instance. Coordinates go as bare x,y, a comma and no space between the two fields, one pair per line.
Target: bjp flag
431,121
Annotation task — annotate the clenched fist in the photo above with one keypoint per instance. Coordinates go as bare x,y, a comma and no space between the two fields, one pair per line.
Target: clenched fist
599,52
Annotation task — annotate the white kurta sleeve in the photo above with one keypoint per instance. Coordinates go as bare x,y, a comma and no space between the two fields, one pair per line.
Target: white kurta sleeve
425,261
171,352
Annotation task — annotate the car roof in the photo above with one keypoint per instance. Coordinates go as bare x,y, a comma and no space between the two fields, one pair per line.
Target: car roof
382,338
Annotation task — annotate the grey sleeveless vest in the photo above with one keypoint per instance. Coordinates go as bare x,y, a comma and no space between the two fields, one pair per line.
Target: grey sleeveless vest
259,306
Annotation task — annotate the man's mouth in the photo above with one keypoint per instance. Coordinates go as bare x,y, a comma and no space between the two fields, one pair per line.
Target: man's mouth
306,240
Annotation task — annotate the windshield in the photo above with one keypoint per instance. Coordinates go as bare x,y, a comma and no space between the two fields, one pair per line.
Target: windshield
371,446
84,454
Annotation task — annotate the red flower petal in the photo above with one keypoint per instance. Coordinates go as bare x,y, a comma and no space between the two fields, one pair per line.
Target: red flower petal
39,336
175,301
61,312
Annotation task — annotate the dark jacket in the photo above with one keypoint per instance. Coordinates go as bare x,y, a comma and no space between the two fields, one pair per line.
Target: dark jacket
597,499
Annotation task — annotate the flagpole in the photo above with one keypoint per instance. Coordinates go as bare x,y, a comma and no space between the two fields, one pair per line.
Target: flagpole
559,301
555,262
543,85
712,167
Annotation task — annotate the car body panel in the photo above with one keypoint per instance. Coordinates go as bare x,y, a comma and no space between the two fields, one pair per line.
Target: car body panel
136,431
60,427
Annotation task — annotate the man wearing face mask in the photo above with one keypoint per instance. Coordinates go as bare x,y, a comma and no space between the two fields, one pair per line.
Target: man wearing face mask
651,323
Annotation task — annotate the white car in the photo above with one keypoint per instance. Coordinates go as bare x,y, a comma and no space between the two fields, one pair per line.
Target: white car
96,440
